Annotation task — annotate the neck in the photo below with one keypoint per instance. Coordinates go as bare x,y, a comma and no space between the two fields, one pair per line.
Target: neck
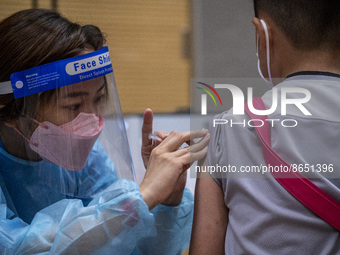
292,61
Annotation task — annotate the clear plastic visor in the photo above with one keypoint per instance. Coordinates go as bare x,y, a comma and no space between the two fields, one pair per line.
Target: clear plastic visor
73,136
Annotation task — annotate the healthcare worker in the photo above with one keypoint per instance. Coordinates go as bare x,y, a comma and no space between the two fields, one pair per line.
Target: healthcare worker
65,162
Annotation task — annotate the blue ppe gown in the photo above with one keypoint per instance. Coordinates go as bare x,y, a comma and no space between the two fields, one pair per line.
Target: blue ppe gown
45,209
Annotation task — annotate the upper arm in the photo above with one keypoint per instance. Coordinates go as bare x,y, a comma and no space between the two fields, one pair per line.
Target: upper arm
210,218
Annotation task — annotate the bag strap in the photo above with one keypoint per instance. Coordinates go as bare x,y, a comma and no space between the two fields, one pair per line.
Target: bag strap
313,197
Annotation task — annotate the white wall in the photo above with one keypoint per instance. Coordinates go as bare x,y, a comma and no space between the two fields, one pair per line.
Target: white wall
168,123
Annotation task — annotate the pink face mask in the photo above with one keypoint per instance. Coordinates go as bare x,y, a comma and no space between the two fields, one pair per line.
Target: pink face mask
68,145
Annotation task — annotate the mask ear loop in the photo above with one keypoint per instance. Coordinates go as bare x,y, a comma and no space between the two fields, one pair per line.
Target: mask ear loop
39,123
268,50
28,140
258,60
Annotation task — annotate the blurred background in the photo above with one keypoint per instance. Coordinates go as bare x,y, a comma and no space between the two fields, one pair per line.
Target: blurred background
157,46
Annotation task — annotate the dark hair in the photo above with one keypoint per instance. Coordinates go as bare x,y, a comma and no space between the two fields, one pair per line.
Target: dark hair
34,37
309,24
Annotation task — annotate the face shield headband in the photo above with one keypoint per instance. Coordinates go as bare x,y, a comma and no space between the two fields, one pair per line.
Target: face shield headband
58,74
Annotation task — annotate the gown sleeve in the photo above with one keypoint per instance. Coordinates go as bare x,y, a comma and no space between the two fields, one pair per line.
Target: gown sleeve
173,226
112,223
116,220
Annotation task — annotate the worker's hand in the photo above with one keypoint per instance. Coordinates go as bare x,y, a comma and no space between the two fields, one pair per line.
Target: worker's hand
147,144
165,176
176,195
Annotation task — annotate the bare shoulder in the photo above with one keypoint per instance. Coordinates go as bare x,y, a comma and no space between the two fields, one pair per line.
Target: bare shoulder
210,218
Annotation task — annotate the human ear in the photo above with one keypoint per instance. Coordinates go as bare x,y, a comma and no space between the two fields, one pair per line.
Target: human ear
260,33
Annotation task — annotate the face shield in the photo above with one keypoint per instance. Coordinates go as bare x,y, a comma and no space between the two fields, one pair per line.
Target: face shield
70,131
